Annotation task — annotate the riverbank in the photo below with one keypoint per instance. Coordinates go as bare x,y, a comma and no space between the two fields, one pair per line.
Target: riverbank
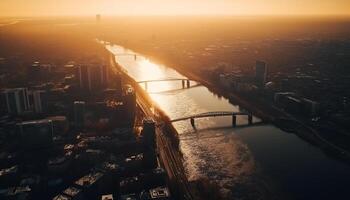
272,115
268,114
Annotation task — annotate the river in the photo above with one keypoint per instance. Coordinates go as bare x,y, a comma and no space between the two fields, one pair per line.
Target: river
257,162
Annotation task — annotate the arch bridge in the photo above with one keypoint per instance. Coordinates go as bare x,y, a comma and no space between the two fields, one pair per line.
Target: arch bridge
186,83
216,114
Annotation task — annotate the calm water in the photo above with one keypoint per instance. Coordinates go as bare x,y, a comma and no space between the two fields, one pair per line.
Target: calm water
247,163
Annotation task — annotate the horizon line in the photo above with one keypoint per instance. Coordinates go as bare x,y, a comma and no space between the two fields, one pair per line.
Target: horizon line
183,15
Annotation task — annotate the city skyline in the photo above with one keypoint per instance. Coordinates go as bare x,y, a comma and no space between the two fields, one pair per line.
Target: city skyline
16,8
174,99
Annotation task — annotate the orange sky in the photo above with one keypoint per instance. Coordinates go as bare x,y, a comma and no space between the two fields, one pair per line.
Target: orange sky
173,7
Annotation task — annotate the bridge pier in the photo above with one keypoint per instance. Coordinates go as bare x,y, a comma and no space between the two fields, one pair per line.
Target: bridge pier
192,122
250,119
183,84
135,57
188,83
146,86
234,120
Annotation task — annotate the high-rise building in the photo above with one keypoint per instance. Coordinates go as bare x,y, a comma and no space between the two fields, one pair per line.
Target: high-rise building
36,134
3,103
149,133
118,84
92,77
260,73
83,77
60,124
16,100
37,101
149,138
105,75
79,112
129,101
95,77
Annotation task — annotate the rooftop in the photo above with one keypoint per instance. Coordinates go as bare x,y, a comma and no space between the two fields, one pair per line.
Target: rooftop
107,197
10,170
159,192
72,191
89,179
61,197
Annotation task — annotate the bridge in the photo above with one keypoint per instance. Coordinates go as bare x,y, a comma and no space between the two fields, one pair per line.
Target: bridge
126,54
183,81
216,114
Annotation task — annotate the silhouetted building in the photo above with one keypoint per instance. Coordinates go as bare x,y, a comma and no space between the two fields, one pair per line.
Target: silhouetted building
260,73
95,78
36,134
149,133
16,100
112,94
37,101
105,115
92,77
83,77
129,100
149,136
159,193
311,108
297,105
79,112
105,74
118,82
60,124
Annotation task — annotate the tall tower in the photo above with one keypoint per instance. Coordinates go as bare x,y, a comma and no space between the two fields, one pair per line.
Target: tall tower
79,112
98,18
16,100
92,77
260,73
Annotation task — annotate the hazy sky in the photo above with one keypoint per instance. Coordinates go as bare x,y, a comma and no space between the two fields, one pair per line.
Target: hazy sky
173,7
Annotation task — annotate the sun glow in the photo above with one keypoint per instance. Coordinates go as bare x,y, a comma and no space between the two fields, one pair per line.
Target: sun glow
173,7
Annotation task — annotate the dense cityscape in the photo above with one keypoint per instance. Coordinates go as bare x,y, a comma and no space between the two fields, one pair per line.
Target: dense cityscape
174,107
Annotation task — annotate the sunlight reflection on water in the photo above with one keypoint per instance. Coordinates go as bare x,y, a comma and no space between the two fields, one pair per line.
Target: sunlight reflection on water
247,163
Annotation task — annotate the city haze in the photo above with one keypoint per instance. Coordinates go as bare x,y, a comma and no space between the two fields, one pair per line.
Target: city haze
173,7
173,100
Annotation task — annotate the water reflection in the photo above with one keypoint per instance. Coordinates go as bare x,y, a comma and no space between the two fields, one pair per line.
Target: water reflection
208,152
247,163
